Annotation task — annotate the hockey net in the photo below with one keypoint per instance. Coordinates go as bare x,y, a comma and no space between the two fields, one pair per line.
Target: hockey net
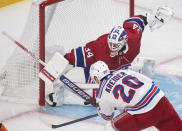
52,25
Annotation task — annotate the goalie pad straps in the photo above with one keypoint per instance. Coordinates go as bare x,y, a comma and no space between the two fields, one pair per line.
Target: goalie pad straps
51,100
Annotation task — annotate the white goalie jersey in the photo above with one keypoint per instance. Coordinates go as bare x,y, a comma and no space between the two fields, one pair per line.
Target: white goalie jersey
127,91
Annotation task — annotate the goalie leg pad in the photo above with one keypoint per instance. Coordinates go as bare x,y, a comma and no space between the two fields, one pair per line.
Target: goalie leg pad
144,66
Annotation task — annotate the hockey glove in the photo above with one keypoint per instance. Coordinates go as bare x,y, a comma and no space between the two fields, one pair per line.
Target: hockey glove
161,16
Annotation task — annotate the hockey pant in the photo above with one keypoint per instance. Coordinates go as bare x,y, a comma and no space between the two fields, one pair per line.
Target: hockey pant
163,116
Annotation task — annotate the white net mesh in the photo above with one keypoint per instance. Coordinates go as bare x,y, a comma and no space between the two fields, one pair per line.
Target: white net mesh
68,24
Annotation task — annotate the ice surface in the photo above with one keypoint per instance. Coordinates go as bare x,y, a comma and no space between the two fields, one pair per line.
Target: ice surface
165,45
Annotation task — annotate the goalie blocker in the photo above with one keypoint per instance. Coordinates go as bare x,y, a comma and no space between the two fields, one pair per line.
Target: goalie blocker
52,75
56,66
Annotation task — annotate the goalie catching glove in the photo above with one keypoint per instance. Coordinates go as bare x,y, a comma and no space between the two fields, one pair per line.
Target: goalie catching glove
159,17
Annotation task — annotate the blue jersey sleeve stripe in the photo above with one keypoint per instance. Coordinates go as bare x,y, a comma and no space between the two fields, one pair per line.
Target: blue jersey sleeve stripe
107,117
137,20
146,95
87,74
80,57
101,87
146,103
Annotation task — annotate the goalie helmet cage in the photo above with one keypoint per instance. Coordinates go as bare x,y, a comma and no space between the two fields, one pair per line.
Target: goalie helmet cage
52,25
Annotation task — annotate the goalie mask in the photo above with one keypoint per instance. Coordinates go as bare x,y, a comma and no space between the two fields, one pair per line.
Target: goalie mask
116,40
99,70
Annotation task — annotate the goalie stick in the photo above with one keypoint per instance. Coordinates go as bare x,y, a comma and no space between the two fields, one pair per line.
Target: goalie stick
62,78
67,123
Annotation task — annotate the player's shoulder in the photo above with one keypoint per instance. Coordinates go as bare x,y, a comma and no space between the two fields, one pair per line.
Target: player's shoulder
138,75
99,44
102,40
103,37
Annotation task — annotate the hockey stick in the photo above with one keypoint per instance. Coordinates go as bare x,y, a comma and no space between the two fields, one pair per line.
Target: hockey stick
23,48
62,78
67,123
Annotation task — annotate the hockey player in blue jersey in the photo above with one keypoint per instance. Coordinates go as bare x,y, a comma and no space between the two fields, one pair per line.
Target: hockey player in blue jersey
140,101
